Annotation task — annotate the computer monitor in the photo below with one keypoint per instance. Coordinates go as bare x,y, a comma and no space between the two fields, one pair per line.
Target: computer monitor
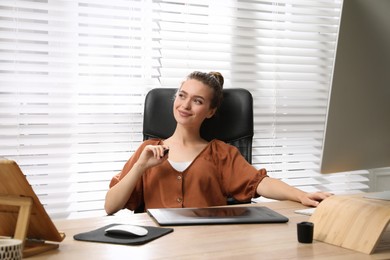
357,131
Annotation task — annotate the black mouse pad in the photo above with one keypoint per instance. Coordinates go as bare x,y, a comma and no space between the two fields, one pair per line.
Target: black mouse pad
99,235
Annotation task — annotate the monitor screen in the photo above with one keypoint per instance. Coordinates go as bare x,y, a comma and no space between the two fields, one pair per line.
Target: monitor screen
357,131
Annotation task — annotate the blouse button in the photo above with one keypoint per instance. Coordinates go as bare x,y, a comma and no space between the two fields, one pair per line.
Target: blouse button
179,200
179,177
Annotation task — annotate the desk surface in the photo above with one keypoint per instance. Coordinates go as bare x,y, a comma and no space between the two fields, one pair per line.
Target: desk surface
245,241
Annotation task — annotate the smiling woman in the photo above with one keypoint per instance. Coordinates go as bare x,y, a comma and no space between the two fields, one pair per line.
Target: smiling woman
149,178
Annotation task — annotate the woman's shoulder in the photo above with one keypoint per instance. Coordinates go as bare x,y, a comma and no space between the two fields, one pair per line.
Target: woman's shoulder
221,151
219,145
217,142
152,141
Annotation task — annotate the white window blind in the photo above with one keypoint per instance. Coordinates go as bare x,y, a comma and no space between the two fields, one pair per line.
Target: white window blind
73,76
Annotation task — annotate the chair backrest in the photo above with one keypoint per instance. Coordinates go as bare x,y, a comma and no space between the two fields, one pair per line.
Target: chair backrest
233,122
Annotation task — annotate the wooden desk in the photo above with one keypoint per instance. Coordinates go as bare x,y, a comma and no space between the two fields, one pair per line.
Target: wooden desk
249,241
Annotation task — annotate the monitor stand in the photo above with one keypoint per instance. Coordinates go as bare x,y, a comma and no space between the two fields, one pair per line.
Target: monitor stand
351,221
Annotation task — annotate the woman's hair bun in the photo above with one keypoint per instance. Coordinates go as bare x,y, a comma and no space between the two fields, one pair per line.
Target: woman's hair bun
218,76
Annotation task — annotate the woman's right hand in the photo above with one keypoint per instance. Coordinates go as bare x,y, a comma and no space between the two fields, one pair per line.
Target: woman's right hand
152,155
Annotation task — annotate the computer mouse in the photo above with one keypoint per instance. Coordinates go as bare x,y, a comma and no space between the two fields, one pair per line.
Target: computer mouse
127,230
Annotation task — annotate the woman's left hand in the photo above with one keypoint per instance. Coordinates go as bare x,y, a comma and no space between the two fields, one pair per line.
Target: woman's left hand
313,199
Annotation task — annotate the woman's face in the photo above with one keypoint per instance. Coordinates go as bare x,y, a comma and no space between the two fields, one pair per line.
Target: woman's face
192,103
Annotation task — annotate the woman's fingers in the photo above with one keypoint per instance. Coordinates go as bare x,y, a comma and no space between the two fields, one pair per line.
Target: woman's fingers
157,150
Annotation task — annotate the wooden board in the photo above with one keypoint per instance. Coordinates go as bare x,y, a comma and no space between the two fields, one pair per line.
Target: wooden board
352,222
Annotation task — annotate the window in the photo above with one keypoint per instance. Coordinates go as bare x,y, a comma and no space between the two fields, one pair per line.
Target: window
74,75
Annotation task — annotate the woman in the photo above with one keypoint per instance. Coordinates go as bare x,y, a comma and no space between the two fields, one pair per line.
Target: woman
195,172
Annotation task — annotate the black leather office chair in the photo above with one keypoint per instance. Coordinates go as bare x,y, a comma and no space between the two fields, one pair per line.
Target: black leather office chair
233,122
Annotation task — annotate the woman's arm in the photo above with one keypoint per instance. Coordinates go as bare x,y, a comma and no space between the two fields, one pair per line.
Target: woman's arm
276,189
119,194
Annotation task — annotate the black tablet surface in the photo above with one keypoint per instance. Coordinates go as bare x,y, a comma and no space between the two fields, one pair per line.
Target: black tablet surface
215,215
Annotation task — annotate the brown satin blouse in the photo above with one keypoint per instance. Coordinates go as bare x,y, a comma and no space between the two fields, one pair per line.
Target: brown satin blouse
218,172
